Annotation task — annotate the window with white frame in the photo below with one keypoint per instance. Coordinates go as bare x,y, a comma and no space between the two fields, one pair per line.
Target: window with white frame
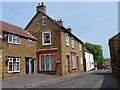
13,64
67,39
80,46
44,21
13,39
81,60
72,39
73,60
29,42
46,38
10,38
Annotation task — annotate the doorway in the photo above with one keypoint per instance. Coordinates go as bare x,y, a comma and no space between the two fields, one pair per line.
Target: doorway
27,64
67,63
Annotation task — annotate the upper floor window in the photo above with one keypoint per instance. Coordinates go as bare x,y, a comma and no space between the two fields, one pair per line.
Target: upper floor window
72,40
46,38
13,64
29,42
44,21
81,60
13,39
80,47
1,36
67,40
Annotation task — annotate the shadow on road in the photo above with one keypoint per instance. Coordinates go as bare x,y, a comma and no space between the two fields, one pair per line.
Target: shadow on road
108,80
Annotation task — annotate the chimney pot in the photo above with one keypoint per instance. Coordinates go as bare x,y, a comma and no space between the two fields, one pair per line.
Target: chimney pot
41,8
60,22
69,29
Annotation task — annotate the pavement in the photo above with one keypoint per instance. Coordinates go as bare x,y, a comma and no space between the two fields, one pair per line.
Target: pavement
32,80
92,79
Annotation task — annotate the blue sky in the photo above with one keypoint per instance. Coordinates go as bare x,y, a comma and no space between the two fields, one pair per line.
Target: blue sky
93,22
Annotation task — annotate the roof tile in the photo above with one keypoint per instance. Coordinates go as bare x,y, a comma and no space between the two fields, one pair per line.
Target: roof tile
10,28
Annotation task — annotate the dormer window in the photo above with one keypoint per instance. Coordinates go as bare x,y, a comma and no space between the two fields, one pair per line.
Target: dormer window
44,21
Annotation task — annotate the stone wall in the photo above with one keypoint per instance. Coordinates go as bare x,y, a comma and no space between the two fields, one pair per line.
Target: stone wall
22,51
114,44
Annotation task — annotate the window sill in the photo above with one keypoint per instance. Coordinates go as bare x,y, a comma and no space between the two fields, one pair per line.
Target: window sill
14,43
46,44
74,69
13,71
67,45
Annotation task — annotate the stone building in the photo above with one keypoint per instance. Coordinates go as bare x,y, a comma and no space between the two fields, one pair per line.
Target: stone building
18,51
114,45
1,54
58,50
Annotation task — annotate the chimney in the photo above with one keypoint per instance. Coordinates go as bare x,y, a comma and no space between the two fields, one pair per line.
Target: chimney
41,8
69,29
60,22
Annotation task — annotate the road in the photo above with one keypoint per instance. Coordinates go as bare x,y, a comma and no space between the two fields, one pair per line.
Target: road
93,79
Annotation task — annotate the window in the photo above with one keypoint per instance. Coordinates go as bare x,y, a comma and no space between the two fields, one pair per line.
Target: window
73,60
67,40
10,38
1,36
29,42
46,38
13,39
14,65
81,60
47,62
72,42
44,21
80,47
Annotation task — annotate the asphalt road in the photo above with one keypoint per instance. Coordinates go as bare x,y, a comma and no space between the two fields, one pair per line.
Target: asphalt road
93,79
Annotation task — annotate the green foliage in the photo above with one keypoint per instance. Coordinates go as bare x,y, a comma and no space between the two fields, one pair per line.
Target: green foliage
97,52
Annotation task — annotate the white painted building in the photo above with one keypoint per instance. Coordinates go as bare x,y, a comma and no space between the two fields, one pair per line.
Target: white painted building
89,61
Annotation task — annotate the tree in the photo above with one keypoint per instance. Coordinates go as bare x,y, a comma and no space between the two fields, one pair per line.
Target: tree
96,50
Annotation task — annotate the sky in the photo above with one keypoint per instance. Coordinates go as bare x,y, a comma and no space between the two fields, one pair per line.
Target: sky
93,22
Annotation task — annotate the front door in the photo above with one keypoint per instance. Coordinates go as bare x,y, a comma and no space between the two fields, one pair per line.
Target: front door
27,61
33,66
